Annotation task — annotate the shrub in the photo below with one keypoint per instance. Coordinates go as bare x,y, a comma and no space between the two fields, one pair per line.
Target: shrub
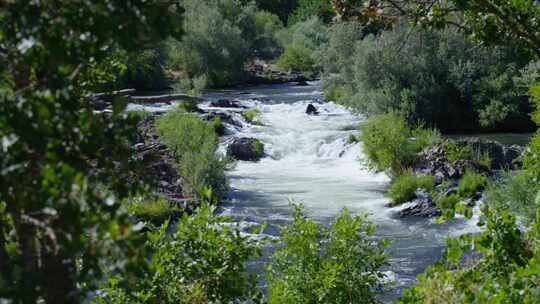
515,192
403,187
440,77
300,42
193,144
252,116
145,71
218,126
385,138
448,205
202,260
216,43
424,137
265,44
470,183
319,264
297,58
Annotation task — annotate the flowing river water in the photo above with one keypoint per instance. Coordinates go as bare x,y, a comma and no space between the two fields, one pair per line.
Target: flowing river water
308,160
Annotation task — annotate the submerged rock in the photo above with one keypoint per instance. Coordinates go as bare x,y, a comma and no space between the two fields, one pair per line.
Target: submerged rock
311,110
226,103
247,149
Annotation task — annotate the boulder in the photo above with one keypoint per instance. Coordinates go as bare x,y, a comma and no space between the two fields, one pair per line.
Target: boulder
226,103
247,149
311,110
224,117
422,206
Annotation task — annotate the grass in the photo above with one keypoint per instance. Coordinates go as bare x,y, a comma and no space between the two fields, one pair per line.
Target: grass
448,205
218,126
404,186
258,147
470,183
252,116
155,210
455,151
139,114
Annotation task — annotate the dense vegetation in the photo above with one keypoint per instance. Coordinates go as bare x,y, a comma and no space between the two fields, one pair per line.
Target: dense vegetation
66,171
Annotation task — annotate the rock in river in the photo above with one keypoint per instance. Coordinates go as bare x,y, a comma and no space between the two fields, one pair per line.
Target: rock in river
311,110
248,149
226,103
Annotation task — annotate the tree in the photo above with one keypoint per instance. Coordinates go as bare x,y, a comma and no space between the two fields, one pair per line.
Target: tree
63,168
491,21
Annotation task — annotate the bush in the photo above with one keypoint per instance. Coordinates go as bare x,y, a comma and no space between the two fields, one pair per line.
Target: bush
201,261
216,43
515,192
424,137
319,264
265,44
252,116
403,187
385,138
440,77
470,183
448,205
297,58
193,144
145,71
301,42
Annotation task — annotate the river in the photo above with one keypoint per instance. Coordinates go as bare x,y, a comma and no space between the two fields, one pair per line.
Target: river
309,161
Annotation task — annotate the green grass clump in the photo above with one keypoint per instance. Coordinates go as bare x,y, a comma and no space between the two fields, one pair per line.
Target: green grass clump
156,210
404,186
424,137
252,116
470,183
189,105
258,147
352,139
139,114
218,126
193,144
448,205
455,151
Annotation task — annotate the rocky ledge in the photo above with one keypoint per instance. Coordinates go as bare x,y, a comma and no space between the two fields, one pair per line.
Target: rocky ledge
480,156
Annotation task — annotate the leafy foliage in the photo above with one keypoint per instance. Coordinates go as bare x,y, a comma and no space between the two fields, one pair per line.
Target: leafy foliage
404,186
252,116
58,220
306,9
193,144
439,77
390,144
300,43
471,182
202,261
318,264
